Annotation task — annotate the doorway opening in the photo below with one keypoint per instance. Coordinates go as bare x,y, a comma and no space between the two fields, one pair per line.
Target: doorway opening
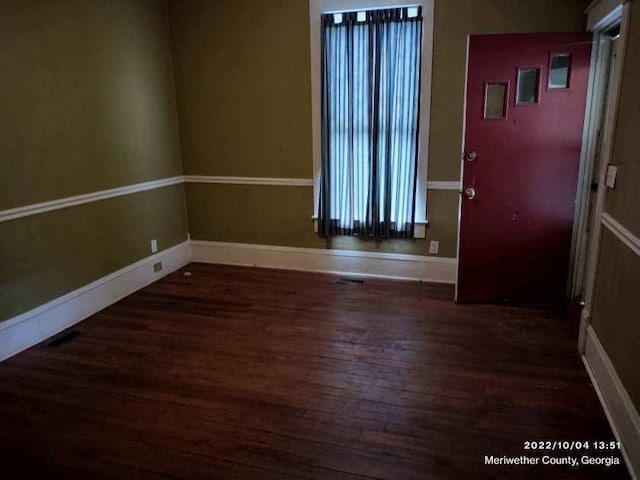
604,66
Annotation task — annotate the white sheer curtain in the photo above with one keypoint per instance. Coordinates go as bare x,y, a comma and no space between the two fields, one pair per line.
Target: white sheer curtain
370,101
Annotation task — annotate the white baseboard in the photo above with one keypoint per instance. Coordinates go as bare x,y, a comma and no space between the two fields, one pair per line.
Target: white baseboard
585,320
343,262
36,325
620,411
32,327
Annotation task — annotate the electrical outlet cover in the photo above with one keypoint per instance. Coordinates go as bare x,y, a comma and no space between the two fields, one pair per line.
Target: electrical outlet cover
434,246
154,246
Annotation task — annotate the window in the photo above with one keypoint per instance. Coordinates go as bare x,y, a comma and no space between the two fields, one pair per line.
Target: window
370,105
374,135
559,71
495,101
528,86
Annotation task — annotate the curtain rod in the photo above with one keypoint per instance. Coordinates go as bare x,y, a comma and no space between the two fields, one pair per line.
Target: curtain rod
369,9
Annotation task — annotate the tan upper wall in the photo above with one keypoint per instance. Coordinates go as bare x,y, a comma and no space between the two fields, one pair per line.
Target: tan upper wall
243,79
623,202
243,86
87,97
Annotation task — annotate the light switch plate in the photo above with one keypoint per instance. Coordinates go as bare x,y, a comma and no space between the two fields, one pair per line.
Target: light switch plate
154,246
611,176
434,246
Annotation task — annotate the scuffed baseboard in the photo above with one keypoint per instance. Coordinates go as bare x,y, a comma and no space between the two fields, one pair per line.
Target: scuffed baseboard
32,327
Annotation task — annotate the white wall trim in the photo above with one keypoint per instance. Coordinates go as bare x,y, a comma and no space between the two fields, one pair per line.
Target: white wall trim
621,413
343,262
300,182
462,148
625,236
443,185
32,327
288,182
601,13
37,208
60,203
419,228
316,9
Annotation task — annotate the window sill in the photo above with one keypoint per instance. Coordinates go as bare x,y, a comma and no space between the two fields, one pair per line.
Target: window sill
419,229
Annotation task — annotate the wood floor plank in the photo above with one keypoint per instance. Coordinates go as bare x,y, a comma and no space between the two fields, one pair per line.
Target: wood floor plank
247,373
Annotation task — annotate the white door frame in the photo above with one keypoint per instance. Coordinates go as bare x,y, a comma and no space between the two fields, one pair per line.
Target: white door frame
585,197
602,14
462,147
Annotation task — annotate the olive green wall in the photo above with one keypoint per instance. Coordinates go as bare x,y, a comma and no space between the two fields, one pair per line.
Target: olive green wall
243,85
615,309
88,97
276,215
46,256
88,103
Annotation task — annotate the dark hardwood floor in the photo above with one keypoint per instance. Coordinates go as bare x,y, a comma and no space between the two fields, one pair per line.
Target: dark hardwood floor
248,373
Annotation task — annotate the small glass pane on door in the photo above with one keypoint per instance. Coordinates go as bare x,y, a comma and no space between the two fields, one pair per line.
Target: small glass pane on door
495,100
559,70
528,81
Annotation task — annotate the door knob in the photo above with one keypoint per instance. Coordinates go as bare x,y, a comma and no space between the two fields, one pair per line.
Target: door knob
470,156
470,193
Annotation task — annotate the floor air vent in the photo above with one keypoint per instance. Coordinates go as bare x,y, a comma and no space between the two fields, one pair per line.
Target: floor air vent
62,338
348,281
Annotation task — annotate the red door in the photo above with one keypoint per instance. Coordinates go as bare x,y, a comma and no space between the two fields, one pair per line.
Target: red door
526,98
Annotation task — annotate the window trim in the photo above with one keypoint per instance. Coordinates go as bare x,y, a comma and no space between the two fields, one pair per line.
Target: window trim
319,7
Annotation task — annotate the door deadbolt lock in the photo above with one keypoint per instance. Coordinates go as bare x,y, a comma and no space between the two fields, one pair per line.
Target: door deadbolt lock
470,156
470,193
